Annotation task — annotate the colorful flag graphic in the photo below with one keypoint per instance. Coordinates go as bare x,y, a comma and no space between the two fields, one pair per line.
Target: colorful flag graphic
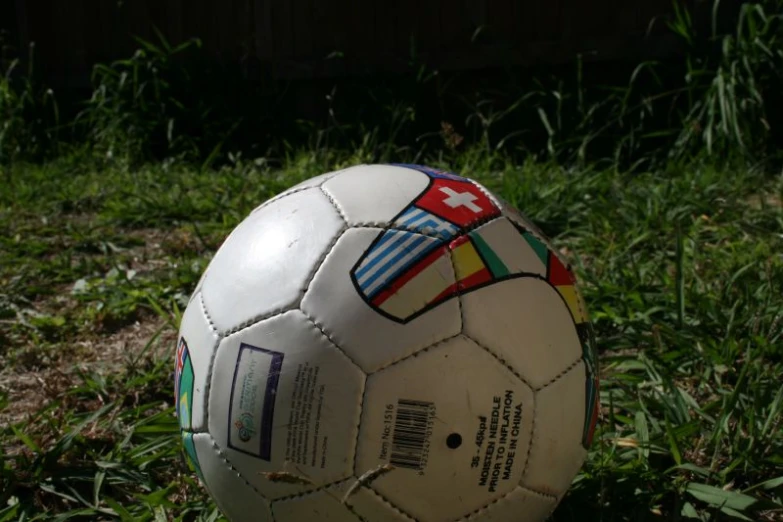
453,239
183,385
408,269
190,453
447,242
592,383
183,400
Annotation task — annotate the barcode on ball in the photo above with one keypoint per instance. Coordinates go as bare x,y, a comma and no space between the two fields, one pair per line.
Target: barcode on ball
412,432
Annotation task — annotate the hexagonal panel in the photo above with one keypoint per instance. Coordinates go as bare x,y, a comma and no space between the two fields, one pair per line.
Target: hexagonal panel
521,505
265,263
375,193
527,323
235,497
284,404
557,453
195,346
366,332
451,421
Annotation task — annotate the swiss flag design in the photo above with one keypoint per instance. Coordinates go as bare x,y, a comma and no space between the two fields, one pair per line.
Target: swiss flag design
460,202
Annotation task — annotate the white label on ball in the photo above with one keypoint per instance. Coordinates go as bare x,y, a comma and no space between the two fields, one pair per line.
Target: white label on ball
305,444
253,395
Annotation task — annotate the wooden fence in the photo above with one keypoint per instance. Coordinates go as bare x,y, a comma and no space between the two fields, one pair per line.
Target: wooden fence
316,38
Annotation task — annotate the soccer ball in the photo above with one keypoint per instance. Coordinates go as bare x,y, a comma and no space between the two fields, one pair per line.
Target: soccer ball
386,343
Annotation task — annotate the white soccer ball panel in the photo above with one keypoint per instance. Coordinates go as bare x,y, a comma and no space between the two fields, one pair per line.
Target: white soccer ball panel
451,421
236,498
325,505
368,504
370,333
195,347
557,453
521,505
526,323
375,194
269,258
314,182
284,404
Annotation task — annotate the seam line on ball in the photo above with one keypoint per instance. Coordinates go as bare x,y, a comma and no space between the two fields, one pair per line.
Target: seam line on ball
230,466
296,191
501,360
334,203
328,337
319,263
278,197
415,354
206,314
486,506
532,438
391,504
309,492
211,364
257,319
385,225
539,493
459,293
559,375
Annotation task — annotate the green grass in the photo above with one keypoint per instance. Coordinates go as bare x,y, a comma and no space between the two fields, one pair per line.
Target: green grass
682,270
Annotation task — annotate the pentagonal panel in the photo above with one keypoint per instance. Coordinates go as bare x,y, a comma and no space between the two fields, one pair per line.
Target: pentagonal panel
451,421
375,193
521,505
367,330
195,347
284,404
525,322
557,452
235,497
266,262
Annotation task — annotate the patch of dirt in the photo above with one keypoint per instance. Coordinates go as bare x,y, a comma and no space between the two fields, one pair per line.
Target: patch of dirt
766,200
44,373
157,244
28,390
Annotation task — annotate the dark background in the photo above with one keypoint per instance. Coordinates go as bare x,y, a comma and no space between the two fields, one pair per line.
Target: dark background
268,73
288,39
